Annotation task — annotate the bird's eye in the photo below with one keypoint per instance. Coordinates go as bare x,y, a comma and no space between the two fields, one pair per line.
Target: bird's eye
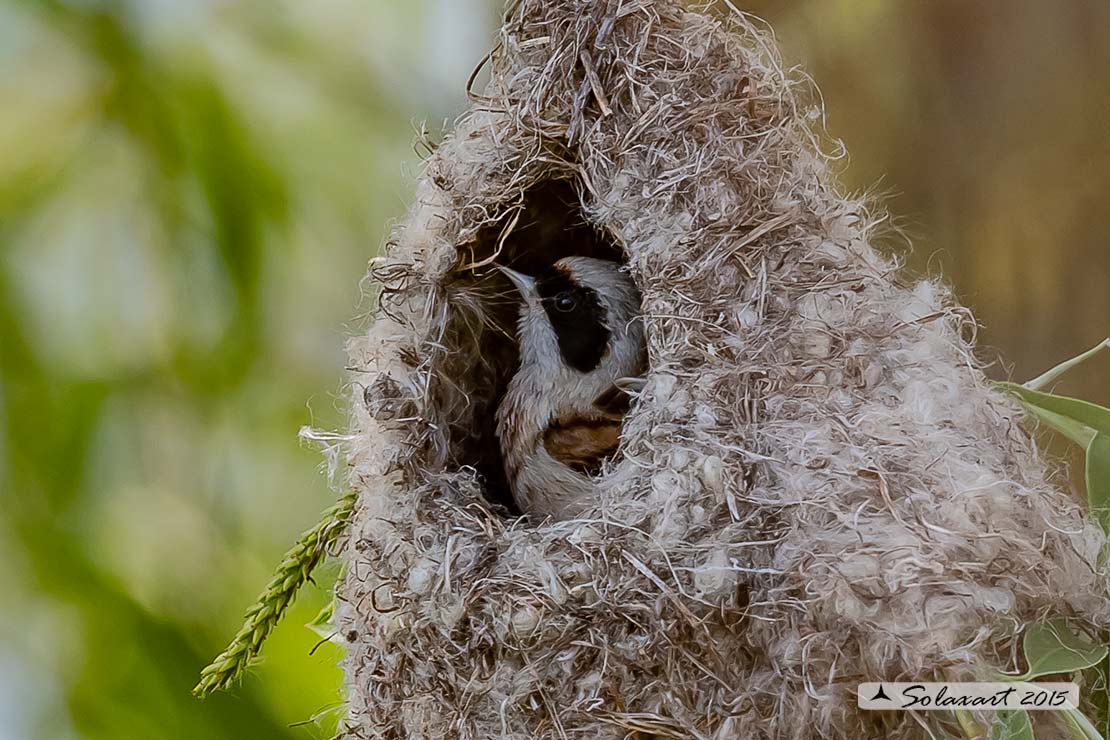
565,302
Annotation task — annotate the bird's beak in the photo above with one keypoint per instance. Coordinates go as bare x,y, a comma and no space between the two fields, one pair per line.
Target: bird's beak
526,285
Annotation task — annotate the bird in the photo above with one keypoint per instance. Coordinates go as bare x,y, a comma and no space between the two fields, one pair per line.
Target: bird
582,347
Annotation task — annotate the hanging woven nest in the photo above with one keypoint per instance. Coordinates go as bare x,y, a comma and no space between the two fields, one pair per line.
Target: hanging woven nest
816,486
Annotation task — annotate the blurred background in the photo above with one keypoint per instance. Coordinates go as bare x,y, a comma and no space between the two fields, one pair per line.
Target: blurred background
189,193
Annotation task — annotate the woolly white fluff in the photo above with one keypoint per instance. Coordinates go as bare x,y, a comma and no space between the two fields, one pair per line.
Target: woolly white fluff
817,486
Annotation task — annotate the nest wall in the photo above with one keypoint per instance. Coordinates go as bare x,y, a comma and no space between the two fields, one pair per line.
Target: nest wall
817,485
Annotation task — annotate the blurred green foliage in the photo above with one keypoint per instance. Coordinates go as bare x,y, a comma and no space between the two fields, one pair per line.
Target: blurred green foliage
189,190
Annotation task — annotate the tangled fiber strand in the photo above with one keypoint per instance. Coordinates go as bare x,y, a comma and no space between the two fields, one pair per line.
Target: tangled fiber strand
817,486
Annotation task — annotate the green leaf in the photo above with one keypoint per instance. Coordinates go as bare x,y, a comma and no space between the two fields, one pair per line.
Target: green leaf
323,624
933,733
1041,381
1080,434
1089,414
1011,725
1052,647
1081,727
1098,479
968,725
1099,693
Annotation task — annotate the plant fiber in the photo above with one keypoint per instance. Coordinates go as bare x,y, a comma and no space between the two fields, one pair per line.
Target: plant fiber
817,485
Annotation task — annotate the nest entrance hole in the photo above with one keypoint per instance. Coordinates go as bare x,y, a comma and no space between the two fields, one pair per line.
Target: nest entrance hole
549,225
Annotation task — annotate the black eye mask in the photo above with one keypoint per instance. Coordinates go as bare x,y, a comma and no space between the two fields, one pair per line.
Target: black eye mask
578,317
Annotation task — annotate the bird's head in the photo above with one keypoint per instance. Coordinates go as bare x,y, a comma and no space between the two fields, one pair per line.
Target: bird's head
582,314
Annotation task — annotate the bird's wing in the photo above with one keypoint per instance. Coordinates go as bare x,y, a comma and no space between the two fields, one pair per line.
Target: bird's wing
614,402
583,441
